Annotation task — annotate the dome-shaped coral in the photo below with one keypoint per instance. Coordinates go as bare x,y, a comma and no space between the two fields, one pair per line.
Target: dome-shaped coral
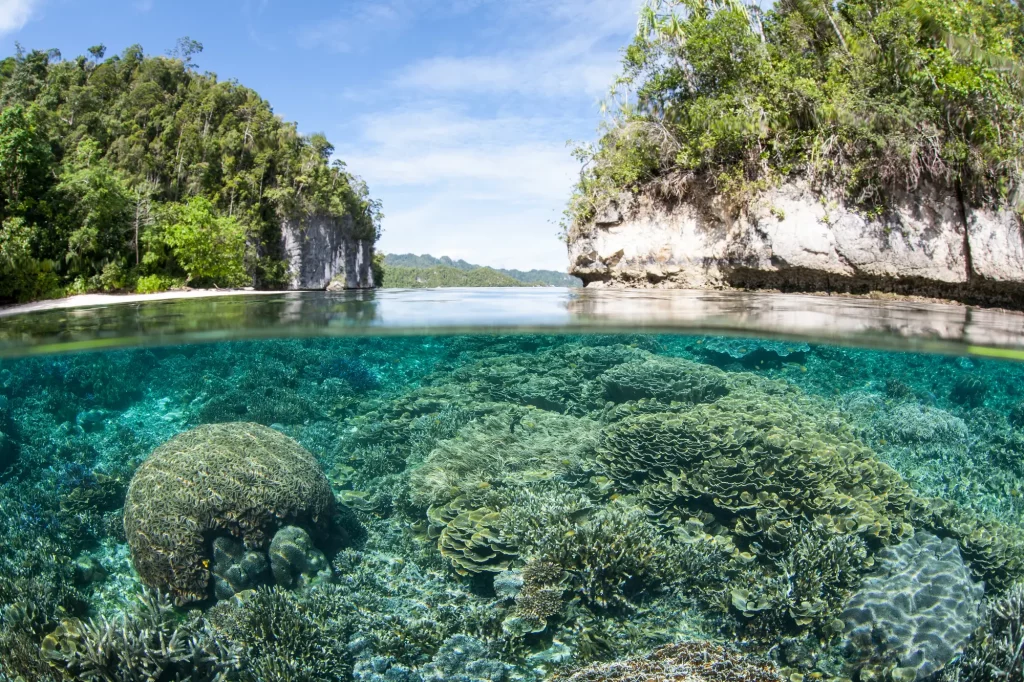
241,479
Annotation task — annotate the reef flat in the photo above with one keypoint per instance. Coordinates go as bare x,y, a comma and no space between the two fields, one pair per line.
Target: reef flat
505,508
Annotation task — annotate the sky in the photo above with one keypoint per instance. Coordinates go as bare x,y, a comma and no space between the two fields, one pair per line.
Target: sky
457,113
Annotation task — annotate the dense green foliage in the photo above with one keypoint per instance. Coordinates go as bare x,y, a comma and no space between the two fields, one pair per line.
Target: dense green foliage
864,96
550,278
400,277
137,172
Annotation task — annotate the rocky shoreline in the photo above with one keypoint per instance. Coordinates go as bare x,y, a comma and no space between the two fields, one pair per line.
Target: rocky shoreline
791,238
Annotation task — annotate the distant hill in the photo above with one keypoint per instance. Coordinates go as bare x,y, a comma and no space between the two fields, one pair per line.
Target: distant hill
402,277
400,267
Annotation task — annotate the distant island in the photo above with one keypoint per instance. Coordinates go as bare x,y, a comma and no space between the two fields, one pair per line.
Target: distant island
409,271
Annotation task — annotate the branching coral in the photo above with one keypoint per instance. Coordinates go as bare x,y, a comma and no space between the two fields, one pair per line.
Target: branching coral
996,651
240,479
683,662
148,644
282,636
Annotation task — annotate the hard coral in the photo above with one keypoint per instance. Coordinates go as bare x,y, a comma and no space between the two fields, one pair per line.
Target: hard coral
683,662
996,651
759,463
241,479
916,611
665,380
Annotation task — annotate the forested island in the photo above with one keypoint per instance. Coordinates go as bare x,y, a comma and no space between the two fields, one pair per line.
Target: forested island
138,173
850,145
410,271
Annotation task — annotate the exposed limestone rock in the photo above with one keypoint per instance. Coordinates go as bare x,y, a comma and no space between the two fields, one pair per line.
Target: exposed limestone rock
321,250
793,238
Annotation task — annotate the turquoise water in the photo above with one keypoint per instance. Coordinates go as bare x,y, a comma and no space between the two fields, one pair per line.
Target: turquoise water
509,507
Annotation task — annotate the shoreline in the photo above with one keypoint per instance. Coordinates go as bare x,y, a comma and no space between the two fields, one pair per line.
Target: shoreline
86,300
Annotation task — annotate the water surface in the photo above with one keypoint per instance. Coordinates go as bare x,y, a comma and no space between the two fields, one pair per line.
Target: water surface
512,485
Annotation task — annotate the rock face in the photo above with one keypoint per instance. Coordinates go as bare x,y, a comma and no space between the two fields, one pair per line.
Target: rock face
792,238
321,249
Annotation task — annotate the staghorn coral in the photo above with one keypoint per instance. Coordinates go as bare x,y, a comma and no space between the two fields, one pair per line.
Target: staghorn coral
682,662
996,650
240,479
916,611
282,636
542,584
147,644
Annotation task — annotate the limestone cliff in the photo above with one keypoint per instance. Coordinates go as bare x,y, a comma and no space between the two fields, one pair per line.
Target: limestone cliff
791,238
322,249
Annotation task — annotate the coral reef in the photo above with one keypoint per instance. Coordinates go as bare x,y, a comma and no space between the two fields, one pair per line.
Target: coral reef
236,569
665,380
996,651
281,636
294,560
916,611
240,479
683,662
148,644
512,508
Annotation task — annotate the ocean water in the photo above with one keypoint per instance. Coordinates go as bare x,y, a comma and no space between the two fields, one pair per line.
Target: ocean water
506,506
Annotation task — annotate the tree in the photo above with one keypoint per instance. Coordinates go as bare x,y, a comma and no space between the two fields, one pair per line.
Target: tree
208,247
25,160
101,205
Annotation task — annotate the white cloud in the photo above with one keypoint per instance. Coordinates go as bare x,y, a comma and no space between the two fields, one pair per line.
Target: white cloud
489,190
14,14
466,145
569,69
363,21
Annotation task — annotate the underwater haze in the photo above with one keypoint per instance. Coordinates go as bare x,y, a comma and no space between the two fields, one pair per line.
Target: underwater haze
511,506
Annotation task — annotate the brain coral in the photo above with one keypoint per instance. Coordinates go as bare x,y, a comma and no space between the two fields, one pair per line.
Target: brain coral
237,479
917,610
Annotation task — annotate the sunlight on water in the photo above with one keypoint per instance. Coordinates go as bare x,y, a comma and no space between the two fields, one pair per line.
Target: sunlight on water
504,506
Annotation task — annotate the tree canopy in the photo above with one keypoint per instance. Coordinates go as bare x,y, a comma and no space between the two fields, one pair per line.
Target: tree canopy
136,171
864,96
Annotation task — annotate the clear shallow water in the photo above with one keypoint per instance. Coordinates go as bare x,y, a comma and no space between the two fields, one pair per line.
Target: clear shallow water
509,506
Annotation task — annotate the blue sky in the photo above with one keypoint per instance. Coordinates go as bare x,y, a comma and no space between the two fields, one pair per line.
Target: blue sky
456,112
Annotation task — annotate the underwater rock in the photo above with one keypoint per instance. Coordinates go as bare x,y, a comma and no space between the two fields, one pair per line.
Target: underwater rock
683,662
294,560
917,610
235,569
240,478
